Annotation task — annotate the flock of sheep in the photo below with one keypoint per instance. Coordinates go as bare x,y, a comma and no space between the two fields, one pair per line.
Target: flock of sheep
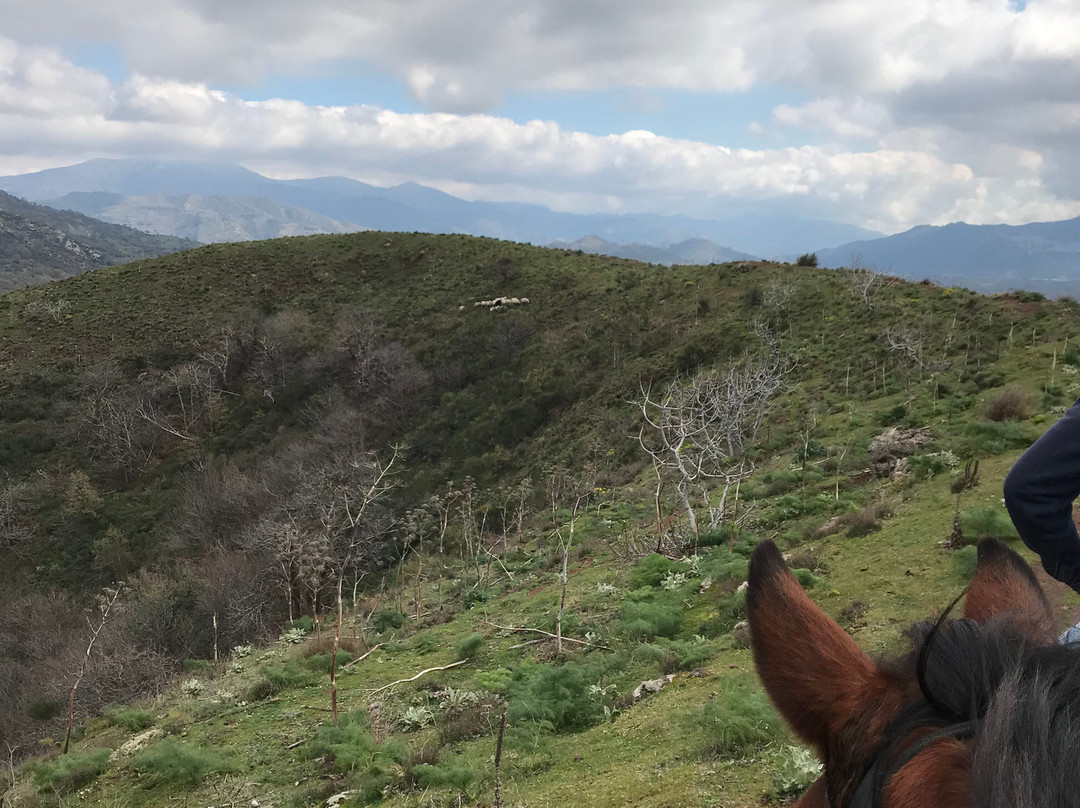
499,303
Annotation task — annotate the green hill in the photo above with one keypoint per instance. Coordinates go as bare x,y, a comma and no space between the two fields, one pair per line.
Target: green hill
210,429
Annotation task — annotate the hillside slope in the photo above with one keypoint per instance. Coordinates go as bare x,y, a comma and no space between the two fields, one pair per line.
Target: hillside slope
199,423
40,244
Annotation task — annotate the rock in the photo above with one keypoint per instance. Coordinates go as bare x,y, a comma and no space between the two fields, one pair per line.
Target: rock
743,586
337,799
652,686
136,744
741,634
892,445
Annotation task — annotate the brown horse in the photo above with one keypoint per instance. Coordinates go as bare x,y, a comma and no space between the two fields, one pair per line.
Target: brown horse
984,712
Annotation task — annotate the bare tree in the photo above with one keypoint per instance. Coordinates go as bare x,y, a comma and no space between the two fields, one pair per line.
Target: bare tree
571,492
345,514
698,429
864,282
106,601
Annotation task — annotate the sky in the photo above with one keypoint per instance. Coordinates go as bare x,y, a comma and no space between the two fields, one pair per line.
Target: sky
881,115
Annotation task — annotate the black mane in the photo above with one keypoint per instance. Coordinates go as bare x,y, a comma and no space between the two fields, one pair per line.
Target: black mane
1025,698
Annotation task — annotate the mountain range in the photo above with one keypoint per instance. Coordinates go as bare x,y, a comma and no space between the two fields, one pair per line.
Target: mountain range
691,251
1042,257
40,244
206,219
412,207
209,201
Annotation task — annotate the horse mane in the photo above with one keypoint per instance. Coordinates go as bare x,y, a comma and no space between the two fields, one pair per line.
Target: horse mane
1026,698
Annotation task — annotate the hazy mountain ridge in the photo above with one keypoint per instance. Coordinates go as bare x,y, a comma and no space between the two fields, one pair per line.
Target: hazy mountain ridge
690,251
411,207
1042,256
203,218
40,244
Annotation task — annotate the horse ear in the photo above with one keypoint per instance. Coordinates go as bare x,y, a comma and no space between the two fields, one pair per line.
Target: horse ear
1005,587
815,674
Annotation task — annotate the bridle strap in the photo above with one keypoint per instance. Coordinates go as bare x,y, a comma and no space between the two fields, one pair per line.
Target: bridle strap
877,779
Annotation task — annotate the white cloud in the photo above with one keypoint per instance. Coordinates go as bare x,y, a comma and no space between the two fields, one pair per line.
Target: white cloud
957,108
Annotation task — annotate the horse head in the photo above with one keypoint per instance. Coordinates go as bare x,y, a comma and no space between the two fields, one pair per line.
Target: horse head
900,734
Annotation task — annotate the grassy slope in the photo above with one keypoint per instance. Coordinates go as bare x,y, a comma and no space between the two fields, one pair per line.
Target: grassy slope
652,753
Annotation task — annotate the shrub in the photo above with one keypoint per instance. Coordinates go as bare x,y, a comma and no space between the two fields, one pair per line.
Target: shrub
44,709
867,519
1011,404
305,624
350,743
373,767
558,696
202,665
320,663
495,680
387,618
677,655
806,578
987,521
172,763
965,560
795,771
780,482
132,719
69,772
740,721
442,775
807,260
465,724
468,647
651,570
276,678
643,621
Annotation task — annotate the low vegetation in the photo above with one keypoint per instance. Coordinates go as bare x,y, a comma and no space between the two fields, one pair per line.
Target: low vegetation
251,436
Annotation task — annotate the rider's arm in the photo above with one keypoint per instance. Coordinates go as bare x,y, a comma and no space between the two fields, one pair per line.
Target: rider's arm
1039,493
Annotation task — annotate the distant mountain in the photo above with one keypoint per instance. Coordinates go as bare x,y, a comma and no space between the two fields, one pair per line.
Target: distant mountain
691,251
413,207
1041,257
39,244
203,218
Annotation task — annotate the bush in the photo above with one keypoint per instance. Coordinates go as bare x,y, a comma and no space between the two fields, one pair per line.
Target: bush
443,775
200,665
320,663
69,772
130,718
987,521
305,624
558,696
651,570
1011,404
276,678
867,519
388,618
807,260
469,646
373,767
795,771
965,560
677,655
740,721
178,764
643,621
350,743
44,709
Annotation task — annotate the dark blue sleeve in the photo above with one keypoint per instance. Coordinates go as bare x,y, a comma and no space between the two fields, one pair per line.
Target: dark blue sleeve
1039,493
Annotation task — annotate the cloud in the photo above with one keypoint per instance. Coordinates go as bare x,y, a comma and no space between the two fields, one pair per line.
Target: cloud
935,109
